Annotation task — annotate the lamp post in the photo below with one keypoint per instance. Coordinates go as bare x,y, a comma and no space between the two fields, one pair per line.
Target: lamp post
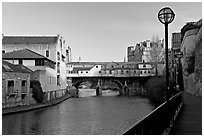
180,72
175,65
166,16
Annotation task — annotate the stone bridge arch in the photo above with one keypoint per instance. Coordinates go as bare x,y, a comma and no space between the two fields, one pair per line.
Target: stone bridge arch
99,82
126,85
118,82
77,83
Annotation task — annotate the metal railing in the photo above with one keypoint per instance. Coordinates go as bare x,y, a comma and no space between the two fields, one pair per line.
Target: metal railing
160,120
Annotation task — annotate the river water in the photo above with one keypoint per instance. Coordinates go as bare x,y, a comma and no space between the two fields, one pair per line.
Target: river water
87,115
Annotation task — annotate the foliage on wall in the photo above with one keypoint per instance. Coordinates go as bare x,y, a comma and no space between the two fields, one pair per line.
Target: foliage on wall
37,91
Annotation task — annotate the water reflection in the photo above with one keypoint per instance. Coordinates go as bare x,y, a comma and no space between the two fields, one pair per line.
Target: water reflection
92,92
87,115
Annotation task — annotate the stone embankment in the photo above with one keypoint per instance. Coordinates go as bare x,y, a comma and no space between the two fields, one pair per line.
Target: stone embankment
37,106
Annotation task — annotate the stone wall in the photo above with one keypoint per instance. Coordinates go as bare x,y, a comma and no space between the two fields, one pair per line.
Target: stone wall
192,61
15,98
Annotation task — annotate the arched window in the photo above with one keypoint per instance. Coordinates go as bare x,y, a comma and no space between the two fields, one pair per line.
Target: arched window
149,72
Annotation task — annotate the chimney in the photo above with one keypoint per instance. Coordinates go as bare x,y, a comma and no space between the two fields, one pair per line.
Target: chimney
79,59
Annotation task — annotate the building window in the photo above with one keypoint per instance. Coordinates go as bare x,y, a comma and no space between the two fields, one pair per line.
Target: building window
3,51
127,71
122,72
144,66
39,62
10,87
47,53
140,71
86,71
23,86
134,72
58,80
20,61
96,66
58,56
63,58
58,67
110,72
50,80
99,72
81,71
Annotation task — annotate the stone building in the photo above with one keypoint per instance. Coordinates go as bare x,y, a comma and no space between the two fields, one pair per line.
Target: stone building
45,55
134,53
147,51
109,69
15,85
191,47
176,42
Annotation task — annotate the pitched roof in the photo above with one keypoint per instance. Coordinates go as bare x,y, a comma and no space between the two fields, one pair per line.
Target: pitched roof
29,39
86,63
8,67
23,54
76,69
100,63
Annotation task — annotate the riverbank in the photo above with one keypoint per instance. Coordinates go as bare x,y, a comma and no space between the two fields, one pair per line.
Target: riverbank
34,107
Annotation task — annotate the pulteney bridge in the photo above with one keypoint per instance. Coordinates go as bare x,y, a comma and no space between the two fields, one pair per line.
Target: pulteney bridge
130,77
126,85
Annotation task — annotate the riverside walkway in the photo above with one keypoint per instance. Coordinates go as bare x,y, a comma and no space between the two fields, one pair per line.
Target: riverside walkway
189,120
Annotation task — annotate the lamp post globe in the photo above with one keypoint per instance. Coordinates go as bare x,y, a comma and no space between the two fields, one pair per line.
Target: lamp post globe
166,16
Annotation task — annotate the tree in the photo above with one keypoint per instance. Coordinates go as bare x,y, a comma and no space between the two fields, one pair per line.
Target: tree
156,54
155,87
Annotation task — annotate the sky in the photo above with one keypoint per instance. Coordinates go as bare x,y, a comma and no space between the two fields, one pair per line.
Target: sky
96,31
